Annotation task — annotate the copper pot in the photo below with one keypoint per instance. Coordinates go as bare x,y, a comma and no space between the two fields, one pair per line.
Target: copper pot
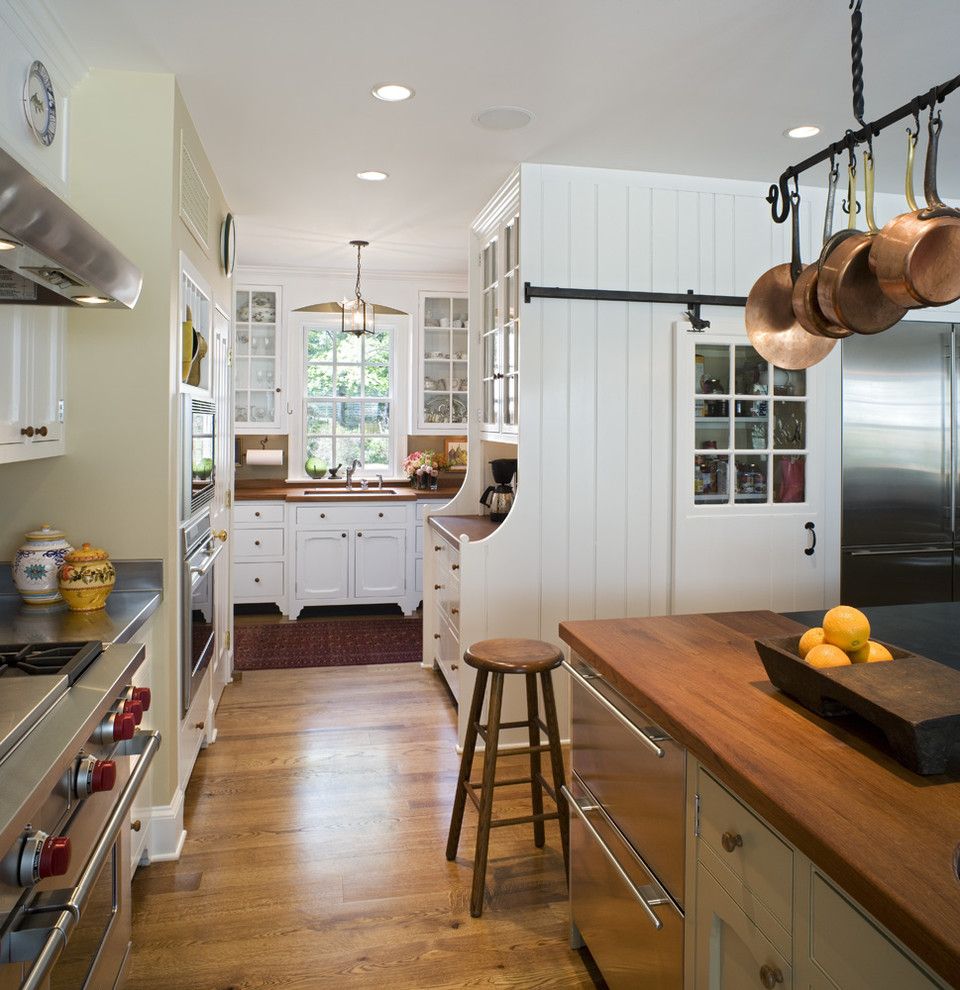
806,308
848,292
916,257
772,326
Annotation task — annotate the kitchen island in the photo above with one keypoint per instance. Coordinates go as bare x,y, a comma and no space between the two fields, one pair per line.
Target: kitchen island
888,838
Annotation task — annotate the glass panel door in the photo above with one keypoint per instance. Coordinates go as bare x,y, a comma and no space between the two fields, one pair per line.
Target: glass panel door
490,340
256,353
511,324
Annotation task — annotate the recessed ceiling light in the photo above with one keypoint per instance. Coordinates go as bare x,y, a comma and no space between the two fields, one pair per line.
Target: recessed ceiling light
92,300
502,118
803,131
8,244
372,175
392,92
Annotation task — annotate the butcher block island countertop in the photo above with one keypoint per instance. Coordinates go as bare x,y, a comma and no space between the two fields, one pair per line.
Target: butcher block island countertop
889,837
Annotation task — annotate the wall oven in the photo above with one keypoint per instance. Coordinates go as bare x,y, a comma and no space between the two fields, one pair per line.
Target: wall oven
198,447
200,552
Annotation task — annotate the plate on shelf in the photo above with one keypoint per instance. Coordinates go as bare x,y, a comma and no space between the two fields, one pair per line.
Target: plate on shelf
459,411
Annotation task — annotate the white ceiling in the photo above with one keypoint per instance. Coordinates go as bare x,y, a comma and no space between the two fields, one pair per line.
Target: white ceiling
279,92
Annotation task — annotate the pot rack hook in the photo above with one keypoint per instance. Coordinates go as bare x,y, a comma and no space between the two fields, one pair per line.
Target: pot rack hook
693,314
851,146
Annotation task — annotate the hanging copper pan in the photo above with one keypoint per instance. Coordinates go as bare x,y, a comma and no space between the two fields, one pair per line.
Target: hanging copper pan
916,257
806,308
848,291
772,327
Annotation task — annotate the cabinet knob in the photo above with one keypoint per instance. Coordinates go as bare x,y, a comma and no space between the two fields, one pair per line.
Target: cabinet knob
454,567
380,514
256,543
42,431
359,534
26,431
438,549
136,825
222,536
198,725
437,587
257,514
454,611
256,580
731,841
323,515
436,635
770,976
454,666
278,390
344,535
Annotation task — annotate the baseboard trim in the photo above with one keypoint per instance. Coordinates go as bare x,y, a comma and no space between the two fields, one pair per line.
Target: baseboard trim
167,834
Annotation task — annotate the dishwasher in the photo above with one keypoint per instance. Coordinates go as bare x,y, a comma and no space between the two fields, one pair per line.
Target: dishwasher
626,798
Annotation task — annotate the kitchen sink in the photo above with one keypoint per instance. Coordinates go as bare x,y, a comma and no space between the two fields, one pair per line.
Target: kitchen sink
369,492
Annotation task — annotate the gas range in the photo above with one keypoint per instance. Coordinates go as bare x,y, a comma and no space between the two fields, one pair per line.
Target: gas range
72,757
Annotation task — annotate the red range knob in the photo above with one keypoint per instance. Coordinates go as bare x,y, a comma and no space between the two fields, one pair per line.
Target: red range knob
54,857
134,708
116,727
142,695
94,776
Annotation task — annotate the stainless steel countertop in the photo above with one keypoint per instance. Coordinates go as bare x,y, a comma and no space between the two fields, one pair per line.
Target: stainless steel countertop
138,592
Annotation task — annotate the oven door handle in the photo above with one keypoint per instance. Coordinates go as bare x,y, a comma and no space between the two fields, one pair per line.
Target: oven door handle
208,563
144,744
646,739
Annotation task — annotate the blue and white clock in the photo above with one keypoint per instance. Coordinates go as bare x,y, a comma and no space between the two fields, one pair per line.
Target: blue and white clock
40,104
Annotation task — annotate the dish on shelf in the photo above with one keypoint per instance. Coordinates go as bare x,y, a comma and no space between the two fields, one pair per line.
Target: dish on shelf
459,411
243,313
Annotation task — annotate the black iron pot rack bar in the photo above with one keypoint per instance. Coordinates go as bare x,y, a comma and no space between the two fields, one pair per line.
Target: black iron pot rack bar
690,300
779,195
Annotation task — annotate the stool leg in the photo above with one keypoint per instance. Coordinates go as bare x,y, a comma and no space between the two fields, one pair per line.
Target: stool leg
536,791
486,795
556,760
466,764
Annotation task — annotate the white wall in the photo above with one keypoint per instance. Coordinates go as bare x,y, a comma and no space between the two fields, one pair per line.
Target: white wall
304,287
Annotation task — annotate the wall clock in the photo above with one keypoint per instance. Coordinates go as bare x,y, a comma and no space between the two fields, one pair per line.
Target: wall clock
40,104
228,245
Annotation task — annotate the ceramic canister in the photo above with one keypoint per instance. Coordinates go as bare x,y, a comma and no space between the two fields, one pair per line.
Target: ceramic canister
86,578
37,563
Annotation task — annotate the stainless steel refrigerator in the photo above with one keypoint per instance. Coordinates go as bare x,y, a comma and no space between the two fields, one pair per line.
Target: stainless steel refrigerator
900,464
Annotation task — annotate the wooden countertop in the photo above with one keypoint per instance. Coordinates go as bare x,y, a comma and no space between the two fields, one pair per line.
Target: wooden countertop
887,836
271,491
473,527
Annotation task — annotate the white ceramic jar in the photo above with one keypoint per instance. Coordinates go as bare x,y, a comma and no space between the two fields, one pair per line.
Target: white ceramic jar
37,563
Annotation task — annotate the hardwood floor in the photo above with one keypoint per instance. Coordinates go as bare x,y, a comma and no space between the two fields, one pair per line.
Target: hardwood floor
316,827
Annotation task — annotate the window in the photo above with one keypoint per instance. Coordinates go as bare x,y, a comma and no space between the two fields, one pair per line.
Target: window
349,402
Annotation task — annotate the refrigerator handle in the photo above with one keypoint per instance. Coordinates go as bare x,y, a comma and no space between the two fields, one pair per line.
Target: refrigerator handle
953,432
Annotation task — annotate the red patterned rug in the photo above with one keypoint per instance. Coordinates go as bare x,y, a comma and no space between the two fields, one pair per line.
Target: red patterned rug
327,643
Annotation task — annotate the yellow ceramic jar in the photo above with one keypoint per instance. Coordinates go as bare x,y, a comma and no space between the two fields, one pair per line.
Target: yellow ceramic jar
86,578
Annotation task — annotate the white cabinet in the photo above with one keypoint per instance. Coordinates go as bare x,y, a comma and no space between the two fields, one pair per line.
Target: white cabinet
443,366
323,566
259,404
380,562
348,552
31,383
259,553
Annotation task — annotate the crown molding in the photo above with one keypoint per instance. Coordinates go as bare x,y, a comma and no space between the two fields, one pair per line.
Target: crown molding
386,275
38,27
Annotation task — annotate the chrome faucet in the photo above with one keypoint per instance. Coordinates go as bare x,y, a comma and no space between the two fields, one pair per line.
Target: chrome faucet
353,467
379,481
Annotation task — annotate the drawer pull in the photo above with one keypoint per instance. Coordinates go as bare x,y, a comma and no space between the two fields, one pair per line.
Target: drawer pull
454,611
323,515
257,514
770,976
454,567
41,431
731,841
199,725
615,712
437,587
436,635
256,580
27,431
343,535
638,893
438,549
256,543
454,666
380,514
359,534
136,825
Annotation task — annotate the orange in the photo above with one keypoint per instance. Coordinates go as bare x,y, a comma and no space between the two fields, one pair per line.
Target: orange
878,652
810,639
846,627
827,656
862,655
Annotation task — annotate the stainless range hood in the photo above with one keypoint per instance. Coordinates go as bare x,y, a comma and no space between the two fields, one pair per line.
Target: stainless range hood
50,255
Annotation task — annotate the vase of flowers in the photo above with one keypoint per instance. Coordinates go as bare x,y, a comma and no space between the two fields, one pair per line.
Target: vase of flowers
423,468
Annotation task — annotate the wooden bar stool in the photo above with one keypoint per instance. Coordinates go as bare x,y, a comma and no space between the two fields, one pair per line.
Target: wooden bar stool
498,657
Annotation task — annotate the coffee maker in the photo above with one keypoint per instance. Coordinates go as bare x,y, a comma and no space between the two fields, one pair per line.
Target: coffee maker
498,498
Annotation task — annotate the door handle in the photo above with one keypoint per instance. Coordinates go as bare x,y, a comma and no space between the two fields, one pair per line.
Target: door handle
809,551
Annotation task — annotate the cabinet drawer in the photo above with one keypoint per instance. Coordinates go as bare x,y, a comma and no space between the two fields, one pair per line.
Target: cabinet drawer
352,514
258,543
448,654
258,580
258,512
642,792
849,949
746,848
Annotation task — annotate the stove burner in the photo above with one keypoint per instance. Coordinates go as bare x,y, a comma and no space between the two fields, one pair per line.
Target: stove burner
70,659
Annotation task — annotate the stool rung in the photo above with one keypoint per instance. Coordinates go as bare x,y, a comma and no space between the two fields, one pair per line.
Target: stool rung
482,729
547,816
500,783
543,783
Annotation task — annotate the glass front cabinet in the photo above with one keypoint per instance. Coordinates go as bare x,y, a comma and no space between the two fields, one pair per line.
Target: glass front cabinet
750,428
443,367
500,330
259,403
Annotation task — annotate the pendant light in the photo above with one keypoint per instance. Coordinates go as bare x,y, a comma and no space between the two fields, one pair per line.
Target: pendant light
357,325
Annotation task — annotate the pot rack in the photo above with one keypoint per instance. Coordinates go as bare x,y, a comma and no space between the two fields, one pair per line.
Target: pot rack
779,194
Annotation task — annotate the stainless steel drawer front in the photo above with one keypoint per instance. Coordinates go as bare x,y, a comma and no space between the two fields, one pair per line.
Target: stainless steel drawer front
634,770
633,930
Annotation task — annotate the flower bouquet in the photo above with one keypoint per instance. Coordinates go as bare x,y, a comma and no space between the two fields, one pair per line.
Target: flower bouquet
423,468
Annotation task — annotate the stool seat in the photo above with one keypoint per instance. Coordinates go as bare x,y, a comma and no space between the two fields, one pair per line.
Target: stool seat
513,656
